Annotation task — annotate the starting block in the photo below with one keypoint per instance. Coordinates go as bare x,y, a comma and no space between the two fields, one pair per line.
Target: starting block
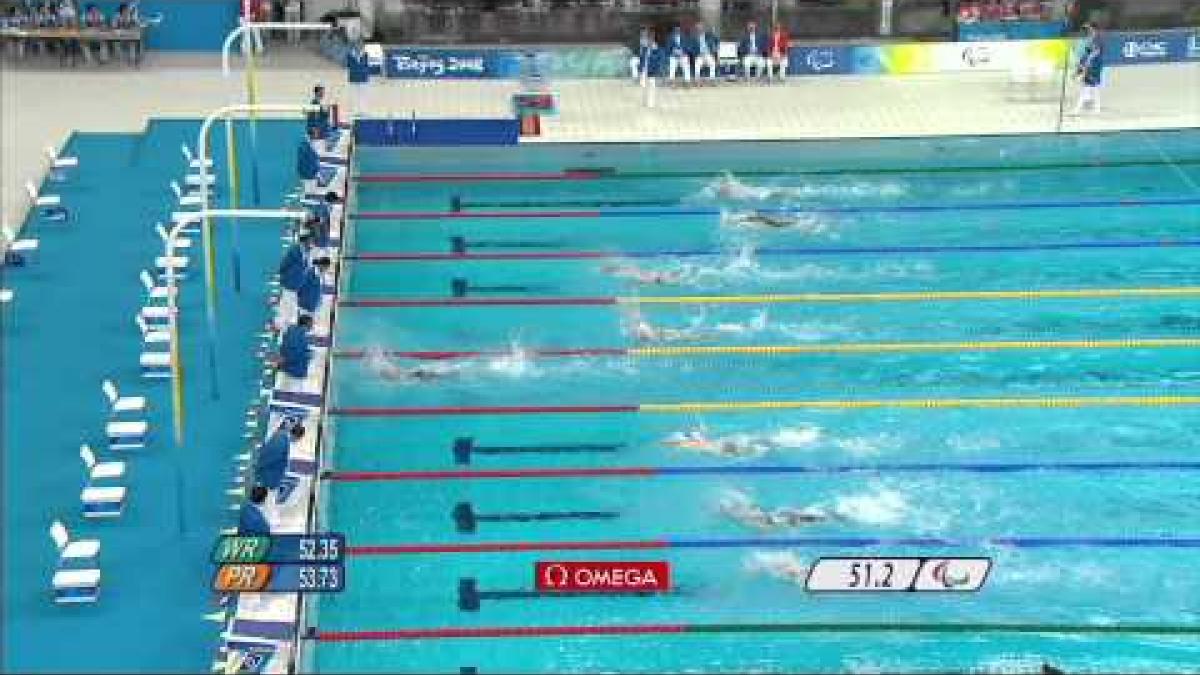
156,316
127,434
176,263
102,502
156,365
74,586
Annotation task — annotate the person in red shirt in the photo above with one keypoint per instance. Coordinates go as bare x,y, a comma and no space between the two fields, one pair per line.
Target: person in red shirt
777,52
968,12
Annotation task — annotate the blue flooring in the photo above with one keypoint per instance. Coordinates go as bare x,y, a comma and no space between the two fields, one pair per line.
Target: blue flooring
70,326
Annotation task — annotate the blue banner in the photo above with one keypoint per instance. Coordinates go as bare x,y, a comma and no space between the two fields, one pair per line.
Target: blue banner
821,60
995,31
1152,47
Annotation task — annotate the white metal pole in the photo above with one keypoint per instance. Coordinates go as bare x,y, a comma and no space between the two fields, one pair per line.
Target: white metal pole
269,25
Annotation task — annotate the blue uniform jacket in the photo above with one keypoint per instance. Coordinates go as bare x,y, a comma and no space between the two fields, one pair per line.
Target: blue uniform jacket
308,164
1092,63
251,521
295,351
676,44
358,69
308,296
291,268
652,59
273,459
759,47
319,118
709,39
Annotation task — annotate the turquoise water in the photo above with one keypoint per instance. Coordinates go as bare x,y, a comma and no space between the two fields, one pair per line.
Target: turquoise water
852,454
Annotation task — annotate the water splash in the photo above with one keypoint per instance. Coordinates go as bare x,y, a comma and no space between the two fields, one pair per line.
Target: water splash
781,565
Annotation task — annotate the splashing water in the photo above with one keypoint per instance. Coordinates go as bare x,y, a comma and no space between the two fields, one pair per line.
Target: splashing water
878,506
781,565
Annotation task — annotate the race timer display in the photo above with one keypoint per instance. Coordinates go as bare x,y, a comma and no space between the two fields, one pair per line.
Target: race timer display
308,563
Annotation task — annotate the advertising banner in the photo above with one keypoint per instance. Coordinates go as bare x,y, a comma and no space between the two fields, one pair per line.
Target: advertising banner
440,64
1152,47
943,57
821,60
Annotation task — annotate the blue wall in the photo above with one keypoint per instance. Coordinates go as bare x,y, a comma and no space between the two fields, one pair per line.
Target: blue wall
188,25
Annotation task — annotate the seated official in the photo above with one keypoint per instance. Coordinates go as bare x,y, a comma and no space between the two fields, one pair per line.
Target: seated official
126,18
677,55
295,353
308,162
312,287
271,463
94,19
252,521
751,50
639,50
777,52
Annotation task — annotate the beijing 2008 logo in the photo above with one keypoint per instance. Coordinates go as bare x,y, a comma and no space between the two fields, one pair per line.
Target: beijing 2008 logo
820,59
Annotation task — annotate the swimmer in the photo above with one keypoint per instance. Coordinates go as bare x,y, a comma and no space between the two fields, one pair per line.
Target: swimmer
377,361
644,331
777,221
742,509
730,446
642,276
728,187
782,565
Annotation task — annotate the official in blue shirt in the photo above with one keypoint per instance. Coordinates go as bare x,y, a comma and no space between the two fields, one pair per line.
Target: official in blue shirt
251,520
291,273
319,119
1090,70
295,354
358,74
637,50
752,49
704,46
308,162
312,287
273,455
677,55
323,214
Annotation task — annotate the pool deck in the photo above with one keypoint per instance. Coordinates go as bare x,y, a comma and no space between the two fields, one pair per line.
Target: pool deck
41,106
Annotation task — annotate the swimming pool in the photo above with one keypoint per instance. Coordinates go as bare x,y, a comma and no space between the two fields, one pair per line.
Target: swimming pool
979,346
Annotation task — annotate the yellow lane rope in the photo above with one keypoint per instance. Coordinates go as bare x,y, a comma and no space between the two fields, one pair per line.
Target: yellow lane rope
915,296
889,347
1032,402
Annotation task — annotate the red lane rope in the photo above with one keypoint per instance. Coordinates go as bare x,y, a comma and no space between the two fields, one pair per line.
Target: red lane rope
444,215
360,476
498,631
442,355
508,547
480,410
473,177
469,302
544,255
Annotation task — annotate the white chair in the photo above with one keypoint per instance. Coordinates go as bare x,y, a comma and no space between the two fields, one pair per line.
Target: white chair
193,162
180,242
122,404
60,163
99,470
727,57
195,180
155,365
158,317
103,502
19,245
72,551
185,198
75,586
174,264
153,290
152,337
6,296
41,200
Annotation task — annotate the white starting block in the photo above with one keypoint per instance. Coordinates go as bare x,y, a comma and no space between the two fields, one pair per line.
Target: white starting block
127,434
180,242
102,502
72,586
15,245
178,263
156,316
50,205
193,162
152,337
156,365
196,180
60,165
185,198
153,290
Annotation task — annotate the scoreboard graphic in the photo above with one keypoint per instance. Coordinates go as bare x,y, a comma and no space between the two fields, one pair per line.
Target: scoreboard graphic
306,563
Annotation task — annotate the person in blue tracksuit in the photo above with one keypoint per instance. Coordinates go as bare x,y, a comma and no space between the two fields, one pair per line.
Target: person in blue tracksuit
308,162
677,55
752,49
291,273
637,51
308,296
272,460
322,224
1090,71
703,49
319,119
251,520
295,354
358,74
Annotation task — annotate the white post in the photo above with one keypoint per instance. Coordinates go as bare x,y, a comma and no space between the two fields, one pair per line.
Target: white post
885,17
272,25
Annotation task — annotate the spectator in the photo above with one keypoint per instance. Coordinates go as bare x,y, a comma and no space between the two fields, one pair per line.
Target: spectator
126,18
94,19
677,56
308,162
17,18
969,12
272,461
704,46
295,354
751,49
991,10
1090,70
252,521
291,275
777,52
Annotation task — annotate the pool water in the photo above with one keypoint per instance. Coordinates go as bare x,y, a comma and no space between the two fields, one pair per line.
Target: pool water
1088,511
